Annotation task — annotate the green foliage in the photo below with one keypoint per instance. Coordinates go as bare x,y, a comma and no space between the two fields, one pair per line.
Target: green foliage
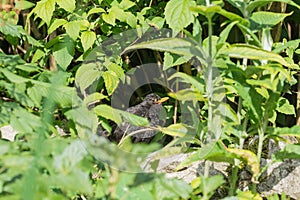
56,73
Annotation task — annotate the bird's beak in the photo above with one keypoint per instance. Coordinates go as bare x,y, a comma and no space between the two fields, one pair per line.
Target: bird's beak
162,100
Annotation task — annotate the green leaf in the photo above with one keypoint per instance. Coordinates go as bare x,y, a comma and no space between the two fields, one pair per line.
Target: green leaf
23,5
287,131
94,97
88,38
13,77
172,189
259,3
73,29
187,95
87,74
214,151
63,52
290,151
126,4
171,60
178,15
285,107
109,18
178,130
264,19
134,119
197,84
108,113
111,81
117,69
181,46
252,52
95,10
55,24
44,9
68,5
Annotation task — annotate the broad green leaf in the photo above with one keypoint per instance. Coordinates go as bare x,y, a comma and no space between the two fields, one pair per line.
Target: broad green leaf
37,55
288,131
290,151
111,81
264,19
87,39
134,119
93,98
126,4
252,52
63,52
44,9
109,18
243,195
55,24
178,130
284,106
87,74
207,11
13,77
23,5
73,29
68,5
181,46
95,10
108,113
9,29
178,15
116,69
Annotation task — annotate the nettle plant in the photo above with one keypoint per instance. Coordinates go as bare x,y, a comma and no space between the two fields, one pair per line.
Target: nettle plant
239,87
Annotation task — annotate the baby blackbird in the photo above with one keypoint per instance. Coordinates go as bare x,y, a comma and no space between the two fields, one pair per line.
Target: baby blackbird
150,108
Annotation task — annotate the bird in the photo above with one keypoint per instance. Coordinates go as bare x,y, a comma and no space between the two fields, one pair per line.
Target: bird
149,108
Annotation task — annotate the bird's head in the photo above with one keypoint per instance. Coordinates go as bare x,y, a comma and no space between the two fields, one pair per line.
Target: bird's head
152,99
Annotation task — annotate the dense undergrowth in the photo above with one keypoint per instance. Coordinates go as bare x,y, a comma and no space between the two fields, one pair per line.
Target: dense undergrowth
232,66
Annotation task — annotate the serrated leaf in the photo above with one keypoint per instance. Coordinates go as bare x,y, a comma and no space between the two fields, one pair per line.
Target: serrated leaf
68,5
134,119
178,15
55,24
109,113
44,9
87,39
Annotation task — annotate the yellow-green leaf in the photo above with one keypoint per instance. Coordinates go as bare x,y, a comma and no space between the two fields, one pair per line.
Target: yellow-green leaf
87,39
